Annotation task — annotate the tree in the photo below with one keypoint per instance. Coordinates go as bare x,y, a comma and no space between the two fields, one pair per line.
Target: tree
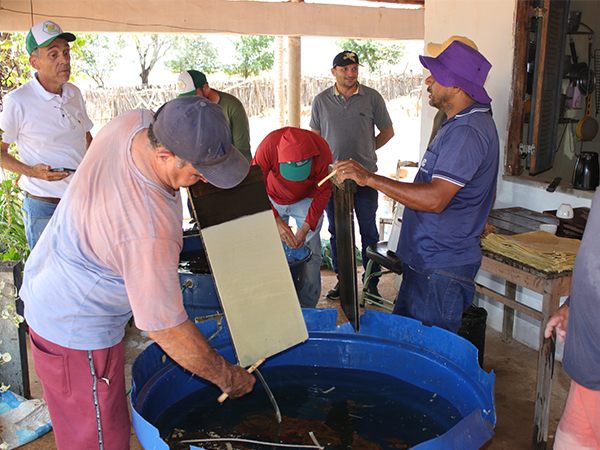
193,51
14,61
373,54
253,55
99,55
150,48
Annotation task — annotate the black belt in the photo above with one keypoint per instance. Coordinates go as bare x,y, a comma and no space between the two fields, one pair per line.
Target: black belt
53,200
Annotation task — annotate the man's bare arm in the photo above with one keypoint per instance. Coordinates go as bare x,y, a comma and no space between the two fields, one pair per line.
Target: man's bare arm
429,197
383,137
188,347
42,171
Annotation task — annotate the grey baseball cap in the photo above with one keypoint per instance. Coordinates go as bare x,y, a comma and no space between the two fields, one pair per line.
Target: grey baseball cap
196,130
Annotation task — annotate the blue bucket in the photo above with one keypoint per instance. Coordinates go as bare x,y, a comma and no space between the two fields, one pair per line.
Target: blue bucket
426,357
200,295
297,260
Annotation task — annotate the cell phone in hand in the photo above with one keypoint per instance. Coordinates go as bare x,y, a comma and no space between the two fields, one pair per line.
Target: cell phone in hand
62,169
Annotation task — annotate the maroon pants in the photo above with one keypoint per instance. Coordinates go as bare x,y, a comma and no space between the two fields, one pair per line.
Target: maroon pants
85,393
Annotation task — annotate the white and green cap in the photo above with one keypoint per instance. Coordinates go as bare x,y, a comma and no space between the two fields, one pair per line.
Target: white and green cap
42,35
189,81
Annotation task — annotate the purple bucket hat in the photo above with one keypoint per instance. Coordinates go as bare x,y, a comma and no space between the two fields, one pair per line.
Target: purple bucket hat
461,66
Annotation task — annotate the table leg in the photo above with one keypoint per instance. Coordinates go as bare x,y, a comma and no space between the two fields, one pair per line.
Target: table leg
508,318
550,302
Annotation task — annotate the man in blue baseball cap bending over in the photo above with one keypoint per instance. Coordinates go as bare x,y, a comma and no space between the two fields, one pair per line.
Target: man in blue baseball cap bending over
451,197
112,250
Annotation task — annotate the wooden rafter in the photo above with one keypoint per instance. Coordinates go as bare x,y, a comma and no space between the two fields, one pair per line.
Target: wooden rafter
400,2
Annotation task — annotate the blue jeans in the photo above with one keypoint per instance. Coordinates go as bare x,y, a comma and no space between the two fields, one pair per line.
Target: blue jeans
311,291
437,296
36,215
365,208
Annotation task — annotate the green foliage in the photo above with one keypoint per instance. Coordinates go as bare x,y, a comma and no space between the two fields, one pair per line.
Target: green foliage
193,51
13,242
254,54
77,47
373,54
14,61
97,56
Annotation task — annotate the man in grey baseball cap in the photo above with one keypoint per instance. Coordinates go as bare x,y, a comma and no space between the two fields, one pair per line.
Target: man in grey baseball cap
111,251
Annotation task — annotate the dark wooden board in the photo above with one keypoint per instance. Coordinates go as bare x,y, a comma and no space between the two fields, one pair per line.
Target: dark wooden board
505,227
518,220
214,206
343,201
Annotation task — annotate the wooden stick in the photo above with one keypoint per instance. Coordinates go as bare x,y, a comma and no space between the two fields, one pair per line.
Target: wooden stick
250,369
333,172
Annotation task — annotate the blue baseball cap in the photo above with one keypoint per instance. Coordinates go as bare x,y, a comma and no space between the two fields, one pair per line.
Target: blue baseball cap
196,130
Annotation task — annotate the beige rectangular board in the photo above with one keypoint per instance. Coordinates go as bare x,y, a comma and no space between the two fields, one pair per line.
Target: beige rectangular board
255,286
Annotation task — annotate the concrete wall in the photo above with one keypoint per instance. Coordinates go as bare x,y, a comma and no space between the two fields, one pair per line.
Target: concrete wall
490,24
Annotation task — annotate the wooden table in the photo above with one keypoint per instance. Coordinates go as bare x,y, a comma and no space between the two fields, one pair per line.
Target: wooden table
551,285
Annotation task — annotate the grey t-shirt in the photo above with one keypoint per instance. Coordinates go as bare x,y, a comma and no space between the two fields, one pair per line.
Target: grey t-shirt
581,359
348,126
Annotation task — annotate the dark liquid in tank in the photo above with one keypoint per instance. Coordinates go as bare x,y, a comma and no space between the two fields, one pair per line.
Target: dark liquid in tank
194,262
344,408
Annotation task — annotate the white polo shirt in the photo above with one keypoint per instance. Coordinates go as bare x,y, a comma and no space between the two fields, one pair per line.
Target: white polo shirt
48,128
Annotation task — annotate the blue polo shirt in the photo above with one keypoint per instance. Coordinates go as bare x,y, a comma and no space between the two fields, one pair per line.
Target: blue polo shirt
464,152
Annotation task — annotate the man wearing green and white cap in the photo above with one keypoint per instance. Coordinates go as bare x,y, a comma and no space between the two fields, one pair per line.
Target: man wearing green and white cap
293,162
193,82
46,117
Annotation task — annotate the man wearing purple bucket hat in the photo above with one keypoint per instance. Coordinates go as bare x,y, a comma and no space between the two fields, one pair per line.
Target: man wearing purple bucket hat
448,203
112,250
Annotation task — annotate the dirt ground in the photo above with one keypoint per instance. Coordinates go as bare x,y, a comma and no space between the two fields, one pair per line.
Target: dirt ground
514,364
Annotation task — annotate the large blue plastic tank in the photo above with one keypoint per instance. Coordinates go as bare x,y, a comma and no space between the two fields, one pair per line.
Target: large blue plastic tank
429,358
200,296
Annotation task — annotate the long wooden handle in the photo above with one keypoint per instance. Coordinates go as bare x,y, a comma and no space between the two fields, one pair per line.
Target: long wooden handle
333,172
250,369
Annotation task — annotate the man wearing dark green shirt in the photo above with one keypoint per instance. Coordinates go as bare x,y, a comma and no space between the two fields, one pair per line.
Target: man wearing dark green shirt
193,82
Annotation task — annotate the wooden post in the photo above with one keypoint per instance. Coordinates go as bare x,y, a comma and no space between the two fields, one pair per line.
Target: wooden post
552,292
294,81
279,83
508,318
15,372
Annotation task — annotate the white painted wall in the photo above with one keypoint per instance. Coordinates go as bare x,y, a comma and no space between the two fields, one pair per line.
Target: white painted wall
490,24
